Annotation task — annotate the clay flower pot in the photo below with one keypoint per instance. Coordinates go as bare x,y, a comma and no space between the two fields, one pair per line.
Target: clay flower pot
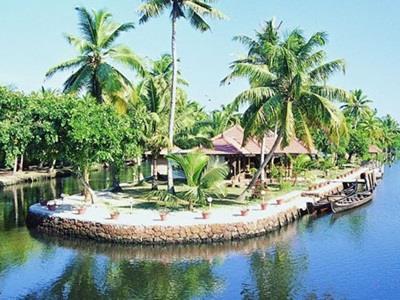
244,212
163,216
114,215
264,205
279,201
81,210
51,207
205,214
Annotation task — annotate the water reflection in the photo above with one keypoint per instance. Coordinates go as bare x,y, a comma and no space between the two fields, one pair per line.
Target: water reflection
274,274
330,257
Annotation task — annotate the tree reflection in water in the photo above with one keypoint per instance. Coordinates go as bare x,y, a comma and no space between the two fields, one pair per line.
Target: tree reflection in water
274,274
95,277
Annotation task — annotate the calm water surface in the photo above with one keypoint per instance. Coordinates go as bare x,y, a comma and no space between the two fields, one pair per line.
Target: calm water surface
351,256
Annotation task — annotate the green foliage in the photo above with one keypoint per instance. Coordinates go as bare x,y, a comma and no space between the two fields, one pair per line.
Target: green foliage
92,68
204,176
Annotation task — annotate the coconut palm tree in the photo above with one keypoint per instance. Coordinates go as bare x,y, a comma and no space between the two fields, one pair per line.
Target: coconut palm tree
96,48
288,76
204,176
356,107
194,11
153,94
371,124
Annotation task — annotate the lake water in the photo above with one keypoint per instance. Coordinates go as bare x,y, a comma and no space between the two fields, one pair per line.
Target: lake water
352,256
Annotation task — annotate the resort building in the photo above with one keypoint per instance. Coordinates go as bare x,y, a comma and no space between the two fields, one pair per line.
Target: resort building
242,158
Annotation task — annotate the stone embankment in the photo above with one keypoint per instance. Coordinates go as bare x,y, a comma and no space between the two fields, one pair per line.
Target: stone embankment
160,234
143,226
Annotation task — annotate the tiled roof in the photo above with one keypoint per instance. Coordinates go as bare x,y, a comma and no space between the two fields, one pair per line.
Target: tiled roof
374,149
230,143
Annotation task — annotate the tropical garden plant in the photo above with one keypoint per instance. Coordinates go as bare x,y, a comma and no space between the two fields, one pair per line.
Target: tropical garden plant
194,11
288,75
204,177
93,70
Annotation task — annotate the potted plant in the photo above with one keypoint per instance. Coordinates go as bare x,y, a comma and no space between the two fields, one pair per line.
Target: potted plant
244,212
205,214
114,214
279,201
163,215
81,210
263,205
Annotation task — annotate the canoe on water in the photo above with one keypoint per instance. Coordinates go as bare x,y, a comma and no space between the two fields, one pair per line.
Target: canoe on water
324,204
351,202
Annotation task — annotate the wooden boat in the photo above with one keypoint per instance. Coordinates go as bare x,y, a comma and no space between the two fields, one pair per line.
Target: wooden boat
324,204
351,202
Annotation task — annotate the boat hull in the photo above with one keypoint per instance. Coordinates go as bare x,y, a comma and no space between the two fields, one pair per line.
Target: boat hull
340,206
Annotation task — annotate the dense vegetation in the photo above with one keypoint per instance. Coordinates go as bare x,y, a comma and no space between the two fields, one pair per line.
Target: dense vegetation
102,116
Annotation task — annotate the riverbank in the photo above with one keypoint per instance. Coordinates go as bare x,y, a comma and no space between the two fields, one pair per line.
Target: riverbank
144,226
10,178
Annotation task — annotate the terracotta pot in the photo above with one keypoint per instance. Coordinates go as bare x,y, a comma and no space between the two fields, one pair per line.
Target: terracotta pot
205,214
264,206
81,210
279,201
244,212
51,207
163,216
114,215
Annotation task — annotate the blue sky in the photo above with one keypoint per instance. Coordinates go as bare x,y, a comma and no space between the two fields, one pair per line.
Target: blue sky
363,32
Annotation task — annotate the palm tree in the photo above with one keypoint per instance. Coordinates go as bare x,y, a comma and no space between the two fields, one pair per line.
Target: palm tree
371,124
92,67
288,76
357,106
153,93
204,176
194,11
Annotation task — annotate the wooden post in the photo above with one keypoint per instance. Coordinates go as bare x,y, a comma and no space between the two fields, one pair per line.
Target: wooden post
239,166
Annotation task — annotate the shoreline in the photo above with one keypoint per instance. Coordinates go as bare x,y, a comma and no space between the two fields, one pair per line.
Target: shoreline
143,226
9,179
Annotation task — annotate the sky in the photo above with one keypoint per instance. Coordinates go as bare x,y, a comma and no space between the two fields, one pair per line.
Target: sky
366,33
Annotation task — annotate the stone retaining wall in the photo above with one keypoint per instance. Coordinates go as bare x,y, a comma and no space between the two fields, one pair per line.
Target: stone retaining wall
204,233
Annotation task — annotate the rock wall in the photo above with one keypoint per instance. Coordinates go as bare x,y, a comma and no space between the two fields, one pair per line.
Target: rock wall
205,233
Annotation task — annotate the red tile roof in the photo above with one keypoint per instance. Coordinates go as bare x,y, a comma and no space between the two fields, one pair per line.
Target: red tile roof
374,149
230,143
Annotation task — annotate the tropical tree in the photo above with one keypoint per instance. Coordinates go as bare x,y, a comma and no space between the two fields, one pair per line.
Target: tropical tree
371,124
194,11
300,164
288,76
153,92
93,68
204,176
190,129
356,107
96,133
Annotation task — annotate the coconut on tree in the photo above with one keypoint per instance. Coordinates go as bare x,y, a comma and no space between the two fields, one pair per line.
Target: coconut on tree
195,12
289,75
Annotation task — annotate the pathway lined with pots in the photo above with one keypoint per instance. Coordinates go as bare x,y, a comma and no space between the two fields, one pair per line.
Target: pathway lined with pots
97,213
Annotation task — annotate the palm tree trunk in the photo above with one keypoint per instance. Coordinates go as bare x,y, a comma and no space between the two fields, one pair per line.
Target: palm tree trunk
263,165
87,192
154,185
53,163
15,168
115,187
21,163
173,103
139,169
263,156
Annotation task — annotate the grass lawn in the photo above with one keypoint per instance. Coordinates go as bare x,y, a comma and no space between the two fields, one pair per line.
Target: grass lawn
140,193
